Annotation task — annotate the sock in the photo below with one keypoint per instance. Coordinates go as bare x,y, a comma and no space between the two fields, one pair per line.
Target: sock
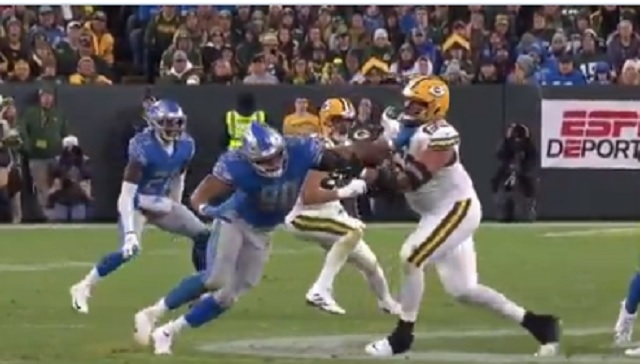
92,277
365,260
411,293
159,309
205,310
187,290
199,252
335,260
176,325
495,301
633,297
109,263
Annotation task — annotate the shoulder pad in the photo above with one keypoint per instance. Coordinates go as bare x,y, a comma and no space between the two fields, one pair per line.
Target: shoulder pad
441,135
138,147
227,166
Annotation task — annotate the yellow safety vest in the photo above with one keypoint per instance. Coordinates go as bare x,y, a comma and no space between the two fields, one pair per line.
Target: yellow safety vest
237,124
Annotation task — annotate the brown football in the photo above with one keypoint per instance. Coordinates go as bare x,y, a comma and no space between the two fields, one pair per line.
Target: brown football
372,153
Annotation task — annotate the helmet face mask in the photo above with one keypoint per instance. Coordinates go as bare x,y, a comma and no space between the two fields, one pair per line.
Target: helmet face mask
265,149
167,119
169,128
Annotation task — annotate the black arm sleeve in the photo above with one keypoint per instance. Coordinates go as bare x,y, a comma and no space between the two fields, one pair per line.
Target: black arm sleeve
333,161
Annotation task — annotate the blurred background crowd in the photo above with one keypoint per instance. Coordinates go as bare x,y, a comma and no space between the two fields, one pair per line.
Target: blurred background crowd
545,45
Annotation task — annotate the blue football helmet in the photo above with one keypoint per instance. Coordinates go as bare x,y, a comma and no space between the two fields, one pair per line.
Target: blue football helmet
166,118
264,147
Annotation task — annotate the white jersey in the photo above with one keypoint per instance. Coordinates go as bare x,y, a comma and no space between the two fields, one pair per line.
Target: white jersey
448,185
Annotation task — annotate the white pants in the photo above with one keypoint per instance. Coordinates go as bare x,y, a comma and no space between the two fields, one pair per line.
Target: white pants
442,232
324,226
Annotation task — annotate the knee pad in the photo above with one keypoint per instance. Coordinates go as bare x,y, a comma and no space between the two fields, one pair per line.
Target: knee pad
459,291
352,238
225,298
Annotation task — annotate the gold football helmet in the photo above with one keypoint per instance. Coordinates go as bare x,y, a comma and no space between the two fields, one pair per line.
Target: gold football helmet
336,117
426,99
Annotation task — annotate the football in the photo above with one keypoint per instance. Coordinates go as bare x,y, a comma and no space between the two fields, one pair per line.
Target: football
372,153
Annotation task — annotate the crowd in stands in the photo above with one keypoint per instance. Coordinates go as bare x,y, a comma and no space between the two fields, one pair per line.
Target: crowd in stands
302,45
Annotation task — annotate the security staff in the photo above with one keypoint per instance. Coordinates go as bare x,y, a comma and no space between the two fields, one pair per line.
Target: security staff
236,121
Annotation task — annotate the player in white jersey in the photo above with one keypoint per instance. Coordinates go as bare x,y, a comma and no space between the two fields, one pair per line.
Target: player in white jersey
439,189
320,217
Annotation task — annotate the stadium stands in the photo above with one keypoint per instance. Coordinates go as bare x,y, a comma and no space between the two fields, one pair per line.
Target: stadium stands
547,45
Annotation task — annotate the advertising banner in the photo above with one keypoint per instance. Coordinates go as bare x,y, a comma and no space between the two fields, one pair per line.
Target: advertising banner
590,134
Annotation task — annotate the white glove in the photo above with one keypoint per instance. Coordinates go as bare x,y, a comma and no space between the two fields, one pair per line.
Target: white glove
131,245
355,188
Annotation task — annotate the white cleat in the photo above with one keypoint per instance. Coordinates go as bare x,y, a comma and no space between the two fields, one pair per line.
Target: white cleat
379,349
547,350
162,340
324,302
391,307
624,327
80,294
145,323
632,352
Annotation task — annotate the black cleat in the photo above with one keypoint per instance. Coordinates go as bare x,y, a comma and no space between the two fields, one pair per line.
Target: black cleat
544,328
401,338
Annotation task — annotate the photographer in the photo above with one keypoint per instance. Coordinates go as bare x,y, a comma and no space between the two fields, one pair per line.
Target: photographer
70,192
10,175
516,174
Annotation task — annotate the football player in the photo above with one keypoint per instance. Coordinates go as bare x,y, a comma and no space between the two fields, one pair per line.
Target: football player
439,189
319,216
151,191
623,329
264,178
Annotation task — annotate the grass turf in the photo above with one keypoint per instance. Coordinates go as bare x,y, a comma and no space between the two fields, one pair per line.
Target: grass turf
578,272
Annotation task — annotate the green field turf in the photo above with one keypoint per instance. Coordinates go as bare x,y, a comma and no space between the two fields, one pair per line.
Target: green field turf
579,272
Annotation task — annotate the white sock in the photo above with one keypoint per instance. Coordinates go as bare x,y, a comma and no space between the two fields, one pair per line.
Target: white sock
411,293
496,301
159,308
175,326
92,277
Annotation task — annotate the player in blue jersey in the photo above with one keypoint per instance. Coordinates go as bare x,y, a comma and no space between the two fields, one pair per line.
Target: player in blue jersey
263,179
152,188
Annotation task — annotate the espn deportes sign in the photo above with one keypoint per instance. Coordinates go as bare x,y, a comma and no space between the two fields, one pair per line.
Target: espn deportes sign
590,134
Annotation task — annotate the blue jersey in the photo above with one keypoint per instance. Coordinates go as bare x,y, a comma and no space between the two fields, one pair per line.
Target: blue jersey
159,167
261,201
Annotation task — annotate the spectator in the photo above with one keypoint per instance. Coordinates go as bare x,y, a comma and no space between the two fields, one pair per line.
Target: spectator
212,49
221,73
196,32
358,33
457,48
258,74
455,74
47,25
68,63
540,29
373,72
87,74
422,45
523,72
182,43
622,45
602,74
564,74
70,192
49,73
159,36
10,176
301,73
589,55
13,46
381,48
182,71
21,72
301,121
67,49
101,40
248,48
487,73
42,128
629,76
365,112
41,52
404,67
373,19
287,46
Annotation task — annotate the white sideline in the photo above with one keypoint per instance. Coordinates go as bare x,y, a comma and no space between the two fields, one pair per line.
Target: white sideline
591,232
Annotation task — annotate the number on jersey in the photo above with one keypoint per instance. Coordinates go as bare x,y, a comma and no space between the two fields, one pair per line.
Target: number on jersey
278,197
441,136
